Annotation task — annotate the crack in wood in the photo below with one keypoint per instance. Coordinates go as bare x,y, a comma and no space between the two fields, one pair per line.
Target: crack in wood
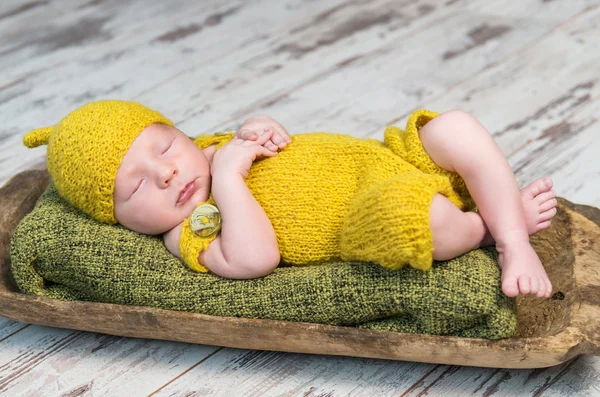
479,36
183,32
323,16
10,96
179,33
347,28
493,388
578,95
36,359
449,371
49,40
186,371
425,9
486,380
23,8
557,135
534,374
13,333
106,341
79,391
549,382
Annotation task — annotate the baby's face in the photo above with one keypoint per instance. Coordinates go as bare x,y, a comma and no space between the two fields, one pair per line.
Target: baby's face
161,179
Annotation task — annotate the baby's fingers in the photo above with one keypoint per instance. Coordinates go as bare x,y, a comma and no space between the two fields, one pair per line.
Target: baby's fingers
271,146
262,151
265,137
281,138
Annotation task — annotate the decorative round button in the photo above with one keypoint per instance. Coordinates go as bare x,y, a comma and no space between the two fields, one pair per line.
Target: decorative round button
205,220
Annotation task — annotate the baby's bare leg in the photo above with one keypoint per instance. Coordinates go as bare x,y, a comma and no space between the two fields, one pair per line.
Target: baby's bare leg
456,232
457,142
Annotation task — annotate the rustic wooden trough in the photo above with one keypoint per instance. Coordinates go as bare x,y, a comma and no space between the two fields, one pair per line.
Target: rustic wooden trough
551,330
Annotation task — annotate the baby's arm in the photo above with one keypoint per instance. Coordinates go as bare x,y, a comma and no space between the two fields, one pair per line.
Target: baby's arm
246,246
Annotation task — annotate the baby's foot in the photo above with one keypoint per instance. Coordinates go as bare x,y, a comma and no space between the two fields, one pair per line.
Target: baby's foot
522,271
539,205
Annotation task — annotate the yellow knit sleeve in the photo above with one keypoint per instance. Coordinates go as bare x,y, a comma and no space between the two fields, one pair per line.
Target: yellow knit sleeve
220,138
191,244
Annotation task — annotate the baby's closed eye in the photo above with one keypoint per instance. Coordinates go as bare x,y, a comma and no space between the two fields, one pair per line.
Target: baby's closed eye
167,147
138,185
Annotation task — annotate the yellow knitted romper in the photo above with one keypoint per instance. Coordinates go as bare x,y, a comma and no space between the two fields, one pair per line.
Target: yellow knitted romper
332,196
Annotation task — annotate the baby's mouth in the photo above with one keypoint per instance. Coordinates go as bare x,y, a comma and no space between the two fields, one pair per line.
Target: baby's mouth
187,192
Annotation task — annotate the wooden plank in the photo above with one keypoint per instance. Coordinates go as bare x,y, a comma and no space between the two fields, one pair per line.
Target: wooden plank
220,100
9,327
568,151
365,79
262,373
51,361
448,380
580,379
128,63
338,112
544,129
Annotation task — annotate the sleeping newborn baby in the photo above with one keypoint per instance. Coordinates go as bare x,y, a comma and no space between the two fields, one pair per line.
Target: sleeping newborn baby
238,203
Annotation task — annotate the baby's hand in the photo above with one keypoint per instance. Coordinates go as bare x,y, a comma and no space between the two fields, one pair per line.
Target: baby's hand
237,156
256,126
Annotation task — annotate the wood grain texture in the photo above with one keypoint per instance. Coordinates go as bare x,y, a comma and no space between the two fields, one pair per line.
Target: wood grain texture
62,362
218,84
9,327
552,126
304,63
276,374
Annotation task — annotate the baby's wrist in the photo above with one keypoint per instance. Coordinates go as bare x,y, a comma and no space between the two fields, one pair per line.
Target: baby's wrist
225,177
227,189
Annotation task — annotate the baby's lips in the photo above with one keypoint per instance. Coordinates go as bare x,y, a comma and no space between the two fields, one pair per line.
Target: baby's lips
187,192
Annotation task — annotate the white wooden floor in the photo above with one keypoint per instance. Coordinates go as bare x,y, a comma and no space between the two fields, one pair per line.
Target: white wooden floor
528,69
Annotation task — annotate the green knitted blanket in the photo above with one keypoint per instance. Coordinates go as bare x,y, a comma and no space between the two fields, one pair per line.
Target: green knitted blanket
59,252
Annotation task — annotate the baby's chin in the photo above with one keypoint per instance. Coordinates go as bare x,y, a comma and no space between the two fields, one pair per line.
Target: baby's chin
153,225
161,223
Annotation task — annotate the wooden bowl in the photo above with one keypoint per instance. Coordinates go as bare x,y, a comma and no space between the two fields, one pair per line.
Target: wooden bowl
551,330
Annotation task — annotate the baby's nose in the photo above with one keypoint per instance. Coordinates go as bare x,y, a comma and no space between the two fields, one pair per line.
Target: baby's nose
167,174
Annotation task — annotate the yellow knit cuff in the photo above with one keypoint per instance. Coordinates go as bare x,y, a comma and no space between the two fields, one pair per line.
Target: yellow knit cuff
191,245
220,138
419,118
416,154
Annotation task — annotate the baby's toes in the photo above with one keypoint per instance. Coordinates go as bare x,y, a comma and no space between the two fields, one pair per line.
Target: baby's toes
546,198
525,284
535,188
510,287
534,284
547,215
543,225
542,290
548,204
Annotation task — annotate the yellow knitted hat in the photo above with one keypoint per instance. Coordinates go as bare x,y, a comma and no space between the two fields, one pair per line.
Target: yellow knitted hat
86,148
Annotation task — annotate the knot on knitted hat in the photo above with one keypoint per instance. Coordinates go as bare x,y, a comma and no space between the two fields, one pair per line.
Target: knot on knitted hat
86,148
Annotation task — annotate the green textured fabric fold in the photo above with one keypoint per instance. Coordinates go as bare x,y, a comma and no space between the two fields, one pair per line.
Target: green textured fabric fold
61,253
